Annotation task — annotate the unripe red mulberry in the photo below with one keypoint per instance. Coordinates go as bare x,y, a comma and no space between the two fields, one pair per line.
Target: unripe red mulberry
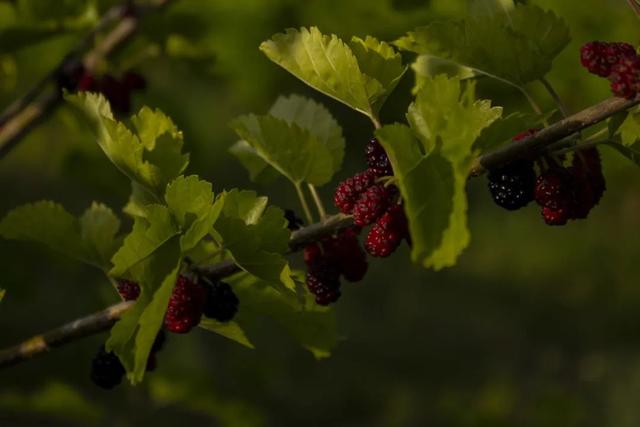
185,306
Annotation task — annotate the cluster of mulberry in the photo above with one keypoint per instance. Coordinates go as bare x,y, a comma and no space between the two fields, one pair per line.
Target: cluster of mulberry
618,62
372,204
562,192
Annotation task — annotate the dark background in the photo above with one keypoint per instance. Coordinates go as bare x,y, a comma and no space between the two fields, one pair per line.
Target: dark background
536,326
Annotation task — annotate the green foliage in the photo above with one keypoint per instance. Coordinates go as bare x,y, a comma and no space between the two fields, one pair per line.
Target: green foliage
516,46
624,134
291,150
504,129
133,335
298,138
256,236
361,75
313,326
431,161
231,330
151,158
91,238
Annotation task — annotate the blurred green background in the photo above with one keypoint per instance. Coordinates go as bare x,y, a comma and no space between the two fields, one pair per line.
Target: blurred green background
536,326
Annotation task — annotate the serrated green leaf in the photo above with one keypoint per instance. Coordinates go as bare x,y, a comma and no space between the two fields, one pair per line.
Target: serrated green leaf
132,336
291,150
190,200
628,127
315,118
255,236
432,170
90,239
427,66
188,195
503,130
244,205
138,201
631,152
151,158
313,326
488,45
231,330
147,236
99,227
259,170
381,65
323,62
45,222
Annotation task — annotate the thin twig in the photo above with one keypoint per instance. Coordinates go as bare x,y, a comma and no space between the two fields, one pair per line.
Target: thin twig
303,203
79,328
556,98
635,6
40,101
318,201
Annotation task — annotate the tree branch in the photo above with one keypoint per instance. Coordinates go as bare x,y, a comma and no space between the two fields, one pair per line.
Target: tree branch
79,328
533,145
104,320
42,99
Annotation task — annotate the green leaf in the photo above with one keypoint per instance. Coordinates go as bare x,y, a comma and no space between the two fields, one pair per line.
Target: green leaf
315,118
231,330
188,195
259,170
99,227
631,152
2,294
291,150
139,199
132,336
516,47
503,130
432,169
382,67
313,326
90,239
147,236
47,223
323,62
191,203
255,236
152,157
427,66
628,127
360,75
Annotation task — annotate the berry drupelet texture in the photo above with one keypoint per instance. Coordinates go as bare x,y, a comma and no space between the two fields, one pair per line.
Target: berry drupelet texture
511,186
128,290
377,159
106,369
222,302
345,251
372,204
349,190
185,306
553,192
599,57
323,276
387,233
